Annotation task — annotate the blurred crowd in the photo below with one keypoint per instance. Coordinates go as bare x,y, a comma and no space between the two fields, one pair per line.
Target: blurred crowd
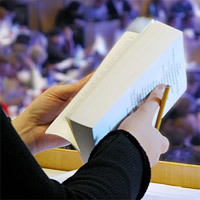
182,124
31,61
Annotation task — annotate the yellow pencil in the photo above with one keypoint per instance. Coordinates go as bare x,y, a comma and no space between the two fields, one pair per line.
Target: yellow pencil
162,106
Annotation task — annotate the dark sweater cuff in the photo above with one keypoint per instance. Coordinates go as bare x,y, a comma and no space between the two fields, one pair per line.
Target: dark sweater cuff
146,175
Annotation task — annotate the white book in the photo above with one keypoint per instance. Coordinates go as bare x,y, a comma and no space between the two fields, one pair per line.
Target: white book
148,53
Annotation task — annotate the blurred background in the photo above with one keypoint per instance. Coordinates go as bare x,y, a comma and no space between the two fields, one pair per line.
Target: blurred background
45,42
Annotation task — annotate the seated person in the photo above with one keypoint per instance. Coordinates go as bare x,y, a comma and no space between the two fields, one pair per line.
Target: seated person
70,15
73,16
56,50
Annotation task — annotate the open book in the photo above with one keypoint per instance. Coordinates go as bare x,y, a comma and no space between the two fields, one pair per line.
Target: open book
148,53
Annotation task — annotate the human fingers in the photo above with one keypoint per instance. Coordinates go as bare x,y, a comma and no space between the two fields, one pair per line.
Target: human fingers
162,140
151,105
76,87
160,146
64,92
165,145
86,78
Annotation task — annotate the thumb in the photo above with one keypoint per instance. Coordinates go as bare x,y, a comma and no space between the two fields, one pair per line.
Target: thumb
74,88
152,103
64,92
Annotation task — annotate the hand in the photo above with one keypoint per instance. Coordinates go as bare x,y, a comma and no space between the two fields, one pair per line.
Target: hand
139,124
33,122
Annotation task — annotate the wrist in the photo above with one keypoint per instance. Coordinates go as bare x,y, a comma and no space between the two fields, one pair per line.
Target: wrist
24,128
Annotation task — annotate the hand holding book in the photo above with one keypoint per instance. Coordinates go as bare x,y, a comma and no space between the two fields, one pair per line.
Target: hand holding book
32,124
139,124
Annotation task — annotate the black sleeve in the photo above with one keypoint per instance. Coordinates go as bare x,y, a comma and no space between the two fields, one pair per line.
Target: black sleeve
118,168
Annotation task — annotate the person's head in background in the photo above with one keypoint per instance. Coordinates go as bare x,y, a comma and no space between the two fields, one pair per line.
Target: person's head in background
176,137
38,38
38,55
38,48
175,21
5,67
75,9
191,108
195,142
21,45
191,29
21,50
183,117
186,104
182,7
179,131
193,83
9,65
3,14
55,36
23,39
189,21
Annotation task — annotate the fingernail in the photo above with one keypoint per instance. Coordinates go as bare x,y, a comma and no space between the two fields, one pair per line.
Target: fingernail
161,87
